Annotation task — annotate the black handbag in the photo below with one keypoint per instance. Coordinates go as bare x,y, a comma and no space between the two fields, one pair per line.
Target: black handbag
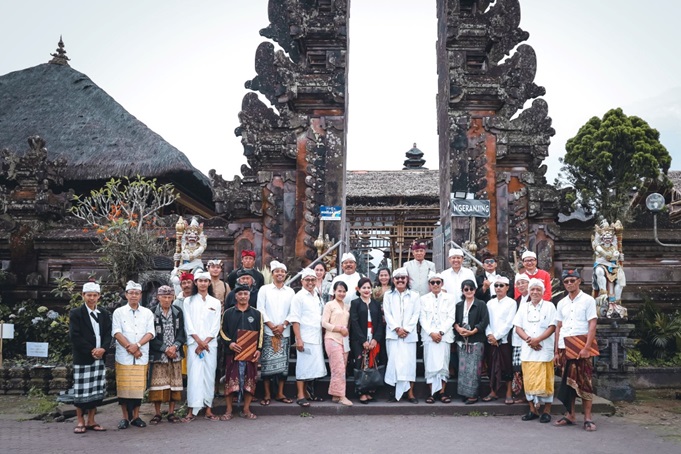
368,378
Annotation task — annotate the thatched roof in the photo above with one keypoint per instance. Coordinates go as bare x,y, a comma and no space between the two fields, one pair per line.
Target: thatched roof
84,125
423,184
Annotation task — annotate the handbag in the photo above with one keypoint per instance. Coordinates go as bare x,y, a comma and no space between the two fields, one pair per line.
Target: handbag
368,378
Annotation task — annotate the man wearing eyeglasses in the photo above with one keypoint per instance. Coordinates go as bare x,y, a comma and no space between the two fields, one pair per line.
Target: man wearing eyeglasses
529,260
576,315
401,308
501,310
438,311
454,276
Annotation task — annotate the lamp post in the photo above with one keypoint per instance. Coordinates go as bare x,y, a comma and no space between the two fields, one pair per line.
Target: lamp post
655,204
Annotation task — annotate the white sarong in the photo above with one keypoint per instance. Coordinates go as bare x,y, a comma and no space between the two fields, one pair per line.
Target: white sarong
310,362
436,363
401,368
201,378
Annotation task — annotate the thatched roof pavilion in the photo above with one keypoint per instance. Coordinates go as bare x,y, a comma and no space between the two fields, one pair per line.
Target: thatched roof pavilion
98,138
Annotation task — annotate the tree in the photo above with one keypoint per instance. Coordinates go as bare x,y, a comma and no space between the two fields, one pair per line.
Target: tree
611,159
126,217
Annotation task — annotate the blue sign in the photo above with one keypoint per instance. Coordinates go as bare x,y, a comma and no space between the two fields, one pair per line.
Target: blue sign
330,213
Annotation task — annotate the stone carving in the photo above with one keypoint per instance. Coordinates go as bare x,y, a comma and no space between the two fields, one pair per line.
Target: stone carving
609,278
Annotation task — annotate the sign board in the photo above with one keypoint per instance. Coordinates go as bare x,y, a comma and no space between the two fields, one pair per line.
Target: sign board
330,213
469,207
7,330
38,349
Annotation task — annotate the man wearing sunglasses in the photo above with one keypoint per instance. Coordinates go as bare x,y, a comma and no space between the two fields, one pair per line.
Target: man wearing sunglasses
576,315
486,279
438,311
501,310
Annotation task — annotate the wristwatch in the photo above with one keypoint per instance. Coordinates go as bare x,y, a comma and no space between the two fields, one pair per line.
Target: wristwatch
138,345
442,333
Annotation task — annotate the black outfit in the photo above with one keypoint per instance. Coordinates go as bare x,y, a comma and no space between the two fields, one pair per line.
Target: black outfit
233,320
257,276
157,347
359,319
487,295
82,334
478,317
230,301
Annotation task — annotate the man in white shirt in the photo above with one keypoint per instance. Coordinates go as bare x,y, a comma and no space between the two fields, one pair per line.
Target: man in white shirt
419,269
521,283
202,324
401,308
501,310
454,276
132,326
350,276
576,316
306,317
274,302
438,311
535,323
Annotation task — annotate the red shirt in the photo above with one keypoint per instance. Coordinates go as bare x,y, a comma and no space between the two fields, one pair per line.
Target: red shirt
544,276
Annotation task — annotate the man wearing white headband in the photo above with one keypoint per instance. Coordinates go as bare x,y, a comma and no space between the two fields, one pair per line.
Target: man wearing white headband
401,308
202,323
521,283
529,260
306,317
499,353
90,334
133,328
438,312
274,302
220,288
454,276
350,276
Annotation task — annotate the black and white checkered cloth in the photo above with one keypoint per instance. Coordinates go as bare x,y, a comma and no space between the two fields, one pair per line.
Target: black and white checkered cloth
89,382
516,356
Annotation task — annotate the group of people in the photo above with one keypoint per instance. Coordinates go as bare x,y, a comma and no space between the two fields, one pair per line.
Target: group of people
514,332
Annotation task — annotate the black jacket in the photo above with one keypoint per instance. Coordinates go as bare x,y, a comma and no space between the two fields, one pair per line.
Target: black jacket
157,347
487,295
82,334
478,317
359,319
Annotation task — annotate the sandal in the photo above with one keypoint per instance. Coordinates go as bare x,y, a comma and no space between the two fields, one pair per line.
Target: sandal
471,400
172,418
303,402
188,418
95,428
265,402
156,419
430,400
79,430
123,424
248,415
226,417
589,426
212,418
316,399
445,399
489,398
564,422
509,401
283,400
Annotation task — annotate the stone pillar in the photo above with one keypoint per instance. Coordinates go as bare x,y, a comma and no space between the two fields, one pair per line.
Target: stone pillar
611,379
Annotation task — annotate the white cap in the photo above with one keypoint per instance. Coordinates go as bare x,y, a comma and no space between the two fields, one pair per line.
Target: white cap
400,272
522,277
201,275
132,285
274,265
348,256
91,287
502,279
534,282
308,272
455,252
528,254
432,276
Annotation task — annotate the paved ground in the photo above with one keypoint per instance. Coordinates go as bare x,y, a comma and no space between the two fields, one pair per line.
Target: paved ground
342,434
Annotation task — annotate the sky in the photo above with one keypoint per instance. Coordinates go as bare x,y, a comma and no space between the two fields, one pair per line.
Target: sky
180,68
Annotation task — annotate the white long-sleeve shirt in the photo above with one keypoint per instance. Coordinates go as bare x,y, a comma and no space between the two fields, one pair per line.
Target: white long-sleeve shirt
306,310
275,304
501,314
202,318
133,324
452,281
401,310
438,313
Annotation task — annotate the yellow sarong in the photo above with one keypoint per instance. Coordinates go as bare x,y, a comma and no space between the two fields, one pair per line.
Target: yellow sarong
538,378
131,381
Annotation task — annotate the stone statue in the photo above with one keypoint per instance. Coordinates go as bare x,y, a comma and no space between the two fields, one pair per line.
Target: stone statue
192,244
609,279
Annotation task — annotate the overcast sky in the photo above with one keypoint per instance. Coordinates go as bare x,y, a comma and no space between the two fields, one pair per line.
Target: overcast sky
180,67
